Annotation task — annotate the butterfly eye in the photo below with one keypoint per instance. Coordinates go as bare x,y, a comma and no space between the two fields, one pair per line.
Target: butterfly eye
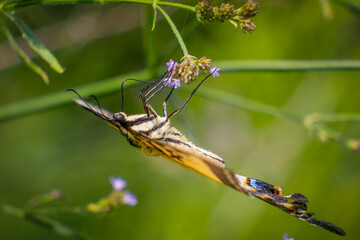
119,117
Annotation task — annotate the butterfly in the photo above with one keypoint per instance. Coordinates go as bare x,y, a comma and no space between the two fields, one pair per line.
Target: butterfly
154,135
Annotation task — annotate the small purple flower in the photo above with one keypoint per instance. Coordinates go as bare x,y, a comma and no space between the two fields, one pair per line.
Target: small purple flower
129,199
171,65
168,82
118,183
285,237
215,71
175,83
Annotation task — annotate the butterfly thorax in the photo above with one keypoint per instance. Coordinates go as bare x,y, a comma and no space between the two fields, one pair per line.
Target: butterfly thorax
141,128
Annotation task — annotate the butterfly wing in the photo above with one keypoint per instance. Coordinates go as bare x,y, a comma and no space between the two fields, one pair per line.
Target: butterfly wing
294,204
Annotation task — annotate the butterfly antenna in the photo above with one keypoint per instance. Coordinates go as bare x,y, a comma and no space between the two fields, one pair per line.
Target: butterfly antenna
165,101
72,90
98,103
122,90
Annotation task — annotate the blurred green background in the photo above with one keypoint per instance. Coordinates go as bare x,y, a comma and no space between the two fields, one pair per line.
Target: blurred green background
69,149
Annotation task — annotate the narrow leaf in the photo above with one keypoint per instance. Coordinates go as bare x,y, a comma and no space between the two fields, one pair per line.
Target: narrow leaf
154,18
35,44
24,57
60,98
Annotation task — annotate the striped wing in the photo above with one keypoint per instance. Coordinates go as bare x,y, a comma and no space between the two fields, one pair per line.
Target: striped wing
294,204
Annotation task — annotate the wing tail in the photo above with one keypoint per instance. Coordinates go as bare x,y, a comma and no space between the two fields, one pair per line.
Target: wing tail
294,204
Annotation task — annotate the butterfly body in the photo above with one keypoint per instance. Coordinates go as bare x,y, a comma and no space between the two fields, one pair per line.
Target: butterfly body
155,136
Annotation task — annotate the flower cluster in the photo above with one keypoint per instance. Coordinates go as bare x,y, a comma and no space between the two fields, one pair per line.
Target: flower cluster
206,13
188,70
116,198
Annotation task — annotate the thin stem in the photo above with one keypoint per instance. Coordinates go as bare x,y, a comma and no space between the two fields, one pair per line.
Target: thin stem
175,31
60,98
26,3
287,65
314,122
335,117
112,85
240,102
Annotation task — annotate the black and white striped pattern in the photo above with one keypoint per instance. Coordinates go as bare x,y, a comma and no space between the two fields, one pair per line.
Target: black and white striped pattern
154,135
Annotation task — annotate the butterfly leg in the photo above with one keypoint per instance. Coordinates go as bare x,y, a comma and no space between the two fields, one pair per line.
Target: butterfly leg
164,103
187,100
145,94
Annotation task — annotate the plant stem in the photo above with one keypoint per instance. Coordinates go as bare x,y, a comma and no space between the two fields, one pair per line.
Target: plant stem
60,98
175,31
240,102
26,3
112,85
287,65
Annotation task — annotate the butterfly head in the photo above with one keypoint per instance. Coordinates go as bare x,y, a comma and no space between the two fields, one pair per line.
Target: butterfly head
120,117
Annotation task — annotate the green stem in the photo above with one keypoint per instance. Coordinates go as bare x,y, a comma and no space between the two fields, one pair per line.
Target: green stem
287,65
26,3
337,117
60,98
175,31
240,102
112,85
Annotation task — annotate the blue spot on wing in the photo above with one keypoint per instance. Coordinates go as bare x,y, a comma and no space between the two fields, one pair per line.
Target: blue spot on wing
262,186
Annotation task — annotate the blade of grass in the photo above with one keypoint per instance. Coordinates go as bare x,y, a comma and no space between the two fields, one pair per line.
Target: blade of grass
26,3
315,125
35,43
27,61
287,65
240,102
112,85
60,98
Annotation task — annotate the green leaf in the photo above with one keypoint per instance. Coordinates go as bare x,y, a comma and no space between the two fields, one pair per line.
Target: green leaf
24,57
35,43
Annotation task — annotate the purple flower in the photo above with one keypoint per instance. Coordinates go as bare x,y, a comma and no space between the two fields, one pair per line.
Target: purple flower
171,65
175,83
285,237
215,71
168,82
118,183
129,199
